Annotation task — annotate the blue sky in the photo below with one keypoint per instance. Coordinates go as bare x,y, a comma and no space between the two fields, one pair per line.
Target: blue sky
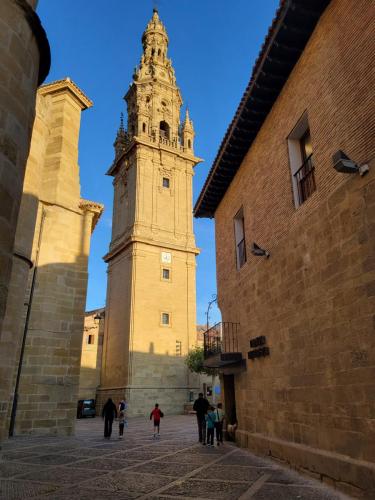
213,45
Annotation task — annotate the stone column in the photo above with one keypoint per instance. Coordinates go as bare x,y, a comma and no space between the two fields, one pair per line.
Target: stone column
24,64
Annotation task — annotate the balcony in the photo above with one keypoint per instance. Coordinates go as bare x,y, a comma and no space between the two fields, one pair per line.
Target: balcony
221,347
305,180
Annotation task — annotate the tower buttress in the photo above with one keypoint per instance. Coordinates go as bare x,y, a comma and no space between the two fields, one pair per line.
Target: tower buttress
187,133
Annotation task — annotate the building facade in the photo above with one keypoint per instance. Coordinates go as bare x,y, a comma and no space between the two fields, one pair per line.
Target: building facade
150,311
295,246
91,355
43,328
24,64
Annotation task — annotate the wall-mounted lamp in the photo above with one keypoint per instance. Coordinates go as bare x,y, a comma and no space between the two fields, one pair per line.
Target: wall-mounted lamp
258,251
97,318
344,165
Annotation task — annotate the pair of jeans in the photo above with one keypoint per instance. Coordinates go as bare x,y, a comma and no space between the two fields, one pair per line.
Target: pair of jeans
219,432
108,427
121,428
201,420
210,435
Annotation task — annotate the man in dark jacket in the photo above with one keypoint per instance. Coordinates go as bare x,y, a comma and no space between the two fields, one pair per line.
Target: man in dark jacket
200,407
109,413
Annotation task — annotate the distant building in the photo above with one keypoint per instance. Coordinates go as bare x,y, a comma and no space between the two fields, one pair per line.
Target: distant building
151,303
91,356
299,374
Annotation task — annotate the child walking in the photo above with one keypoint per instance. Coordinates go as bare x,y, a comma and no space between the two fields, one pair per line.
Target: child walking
210,421
121,424
156,414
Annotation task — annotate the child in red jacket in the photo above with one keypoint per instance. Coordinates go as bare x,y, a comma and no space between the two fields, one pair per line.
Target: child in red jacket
157,414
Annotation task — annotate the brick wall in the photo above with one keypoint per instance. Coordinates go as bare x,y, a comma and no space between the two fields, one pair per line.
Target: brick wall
314,299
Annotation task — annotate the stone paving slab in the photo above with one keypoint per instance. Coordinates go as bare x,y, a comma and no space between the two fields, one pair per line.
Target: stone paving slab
131,484
232,473
88,467
208,489
17,490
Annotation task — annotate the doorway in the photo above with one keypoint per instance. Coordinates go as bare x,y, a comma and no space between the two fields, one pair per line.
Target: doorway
230,399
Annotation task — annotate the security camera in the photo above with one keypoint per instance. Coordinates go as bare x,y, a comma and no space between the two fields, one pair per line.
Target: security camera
344,165
258,251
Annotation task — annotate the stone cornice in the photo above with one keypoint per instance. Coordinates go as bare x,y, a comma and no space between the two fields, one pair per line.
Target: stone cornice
136,141
66,84
136,239
94,207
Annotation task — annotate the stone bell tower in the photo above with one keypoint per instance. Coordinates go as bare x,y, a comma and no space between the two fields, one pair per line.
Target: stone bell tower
151,307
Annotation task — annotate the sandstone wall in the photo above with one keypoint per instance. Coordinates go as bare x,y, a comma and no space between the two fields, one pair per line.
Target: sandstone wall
24,63
53,232
311,401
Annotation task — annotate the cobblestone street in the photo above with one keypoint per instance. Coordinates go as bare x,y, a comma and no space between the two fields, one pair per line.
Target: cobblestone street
175,466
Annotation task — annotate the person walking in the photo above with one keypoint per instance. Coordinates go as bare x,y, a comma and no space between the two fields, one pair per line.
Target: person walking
219,412
210,420
109,412
156,414
121,424
201,406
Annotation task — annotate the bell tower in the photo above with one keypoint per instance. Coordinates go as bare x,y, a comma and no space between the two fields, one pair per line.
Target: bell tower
151,306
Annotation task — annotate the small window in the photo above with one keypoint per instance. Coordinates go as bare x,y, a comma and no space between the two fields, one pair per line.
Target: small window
90,339
189,143
178,348
166,274
166,182
239,235
164,130
159,52
165,319
144,127
301,161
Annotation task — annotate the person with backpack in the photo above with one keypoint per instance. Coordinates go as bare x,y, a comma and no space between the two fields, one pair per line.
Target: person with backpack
210,421
156,414
109,412
200,407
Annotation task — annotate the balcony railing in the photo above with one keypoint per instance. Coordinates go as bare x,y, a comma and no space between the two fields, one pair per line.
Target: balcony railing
220,339
305,180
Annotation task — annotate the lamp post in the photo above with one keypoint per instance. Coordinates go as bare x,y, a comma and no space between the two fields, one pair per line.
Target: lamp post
214,299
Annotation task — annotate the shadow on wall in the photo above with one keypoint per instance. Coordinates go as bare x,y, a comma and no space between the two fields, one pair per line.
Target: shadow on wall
153,378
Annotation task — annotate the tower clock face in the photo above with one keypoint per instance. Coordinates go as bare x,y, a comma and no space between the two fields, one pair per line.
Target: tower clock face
166,257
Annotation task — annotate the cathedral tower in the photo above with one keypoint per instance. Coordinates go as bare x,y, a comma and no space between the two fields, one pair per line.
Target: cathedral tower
151,312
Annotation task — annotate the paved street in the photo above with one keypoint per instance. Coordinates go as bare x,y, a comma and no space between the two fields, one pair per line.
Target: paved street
176,466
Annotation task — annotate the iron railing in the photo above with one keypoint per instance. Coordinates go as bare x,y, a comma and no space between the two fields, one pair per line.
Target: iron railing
305,180
221,338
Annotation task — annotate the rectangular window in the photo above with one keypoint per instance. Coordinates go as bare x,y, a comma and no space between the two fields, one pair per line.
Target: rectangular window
239,235
166,274
301,161
165,319
166,182
90,339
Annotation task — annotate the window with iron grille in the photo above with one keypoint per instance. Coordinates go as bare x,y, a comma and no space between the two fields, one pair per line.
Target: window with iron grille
239,236
301,161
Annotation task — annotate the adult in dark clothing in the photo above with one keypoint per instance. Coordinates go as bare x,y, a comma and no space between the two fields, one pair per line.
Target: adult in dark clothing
201,406
109,412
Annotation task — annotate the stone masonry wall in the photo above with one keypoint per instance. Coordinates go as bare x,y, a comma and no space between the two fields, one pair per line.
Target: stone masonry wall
311,402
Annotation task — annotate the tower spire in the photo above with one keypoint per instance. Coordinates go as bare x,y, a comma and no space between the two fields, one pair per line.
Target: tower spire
121,140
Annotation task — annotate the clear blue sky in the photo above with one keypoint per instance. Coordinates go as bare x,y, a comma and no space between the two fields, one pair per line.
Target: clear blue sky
213,45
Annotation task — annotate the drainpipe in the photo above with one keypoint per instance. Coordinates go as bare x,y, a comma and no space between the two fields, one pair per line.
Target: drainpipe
28,312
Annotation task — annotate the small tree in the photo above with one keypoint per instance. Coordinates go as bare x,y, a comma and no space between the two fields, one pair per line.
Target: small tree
194,361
